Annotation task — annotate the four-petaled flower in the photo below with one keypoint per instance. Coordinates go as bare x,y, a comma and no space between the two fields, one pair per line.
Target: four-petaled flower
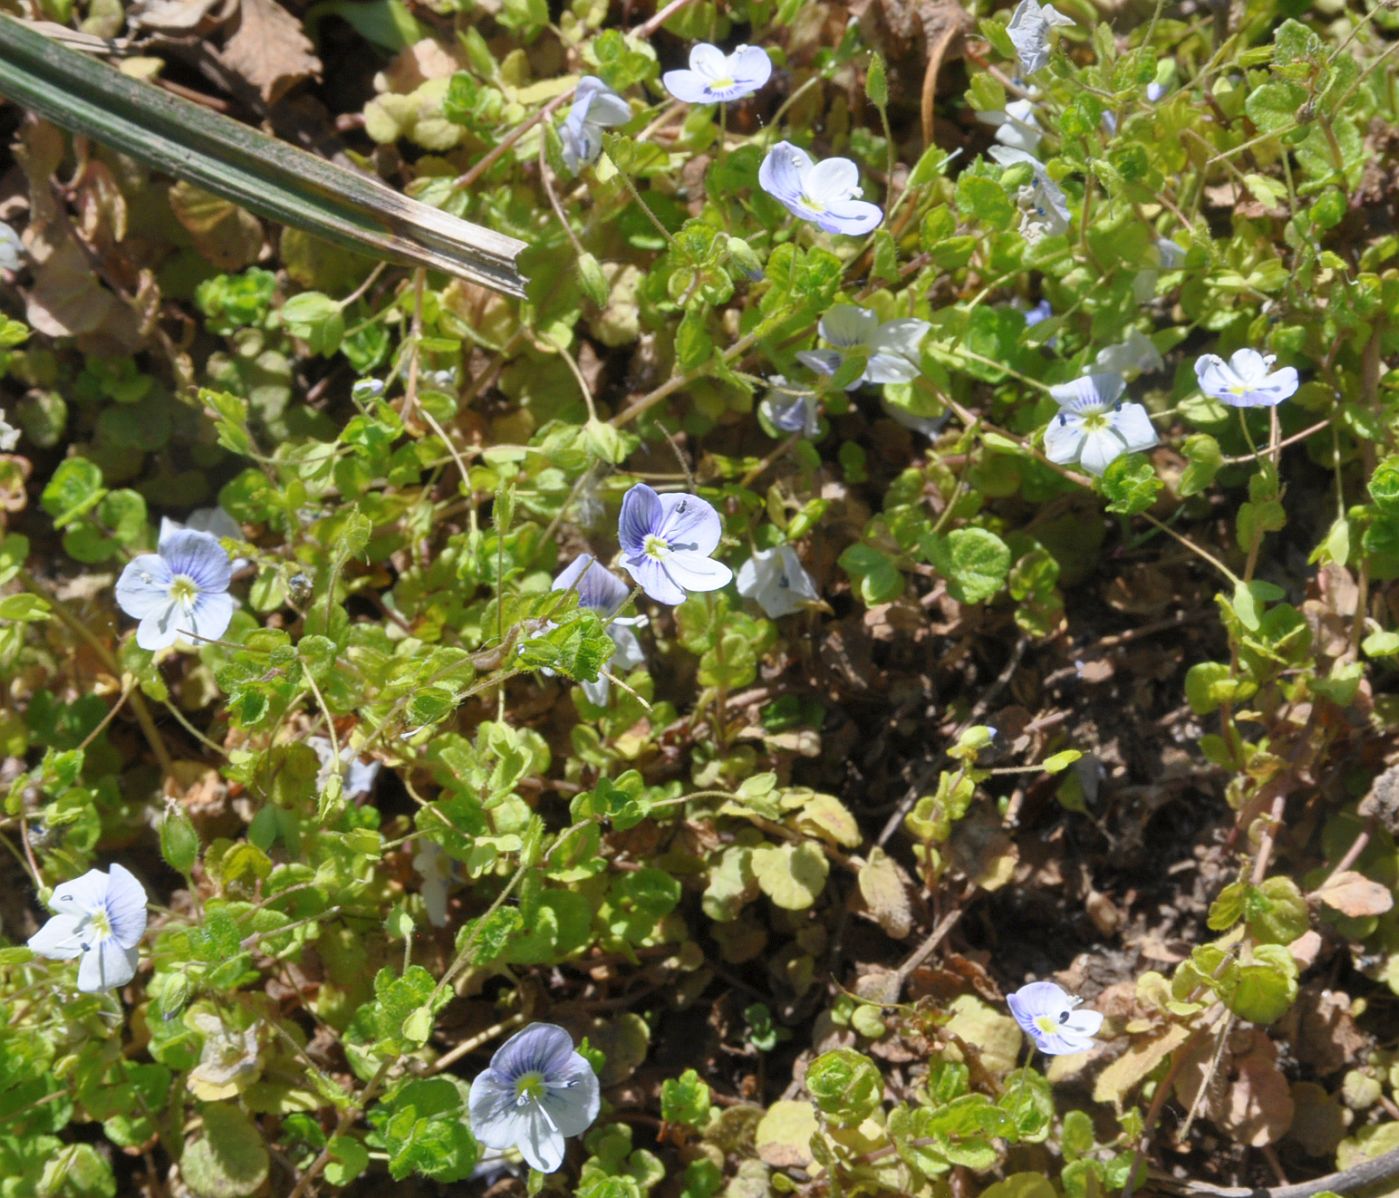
1016,125
715,76
824,193
1029,28
777,580
595,107
1049,1016
892,346
1092,427
1044,210
536,1092
603,592
1247,380
666,542
181,588
101,918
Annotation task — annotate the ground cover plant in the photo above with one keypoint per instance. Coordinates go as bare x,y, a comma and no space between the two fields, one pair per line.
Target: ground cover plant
876,677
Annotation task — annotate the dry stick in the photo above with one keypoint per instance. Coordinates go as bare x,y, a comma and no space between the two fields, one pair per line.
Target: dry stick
1367,1175
936,53
680,381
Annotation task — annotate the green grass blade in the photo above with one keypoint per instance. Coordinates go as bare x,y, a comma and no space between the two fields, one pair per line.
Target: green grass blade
241,164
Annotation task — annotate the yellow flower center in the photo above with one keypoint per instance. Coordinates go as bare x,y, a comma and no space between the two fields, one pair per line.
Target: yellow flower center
718,85
1047,1024
529,1088
184,590
100,925
656,547
812,205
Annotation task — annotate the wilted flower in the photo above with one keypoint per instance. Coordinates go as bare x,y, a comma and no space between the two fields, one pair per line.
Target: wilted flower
364,390
821,192
1044,210
666,542
790,411
229,1061
356,777
213,520
715,76
1247,380
1029,28
595,107
11,249
892,346
101,918
436,870
1136,355
1048,1015
182,588
603,592
1154,91
1092,427
1016,125
9,435
777,580
536,1092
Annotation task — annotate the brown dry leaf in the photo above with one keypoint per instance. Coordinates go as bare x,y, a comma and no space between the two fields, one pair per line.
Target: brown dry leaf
66,301
1352,893
1260,1104
883,888
175,16
228,236
424,60
783,1137
1318,1120
1126,1073
269,49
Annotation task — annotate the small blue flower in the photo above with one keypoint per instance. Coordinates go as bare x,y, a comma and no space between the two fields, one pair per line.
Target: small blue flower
1170,252
1048,1015
790,411
893,346
1016,125
101,918
666,542
11,249
356,777
1092,428
182,588
603,592
715,76
1154,91
437,871
821,192
536,1093
1041,311
776,579
1029,28
1136,355
1247,380
1044,209
595,107
213,520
